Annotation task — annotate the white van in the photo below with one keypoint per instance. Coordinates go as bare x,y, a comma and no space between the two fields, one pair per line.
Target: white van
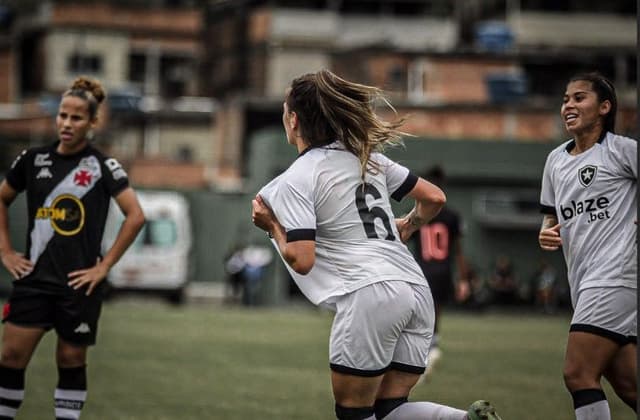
159,258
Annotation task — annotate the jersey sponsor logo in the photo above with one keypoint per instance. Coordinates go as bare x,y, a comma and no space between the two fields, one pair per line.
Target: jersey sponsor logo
44,173
83,328
66,214
597,208
587,174
82,178
41,159
116,169
66,195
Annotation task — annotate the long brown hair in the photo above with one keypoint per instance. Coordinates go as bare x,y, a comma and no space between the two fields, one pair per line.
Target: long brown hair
330,108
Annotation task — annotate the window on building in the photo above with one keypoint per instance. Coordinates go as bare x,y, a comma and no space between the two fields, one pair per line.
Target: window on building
397,78
84,63
137,68
586,6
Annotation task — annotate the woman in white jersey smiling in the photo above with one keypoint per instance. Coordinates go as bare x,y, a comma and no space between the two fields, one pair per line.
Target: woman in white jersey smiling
589,200
330,219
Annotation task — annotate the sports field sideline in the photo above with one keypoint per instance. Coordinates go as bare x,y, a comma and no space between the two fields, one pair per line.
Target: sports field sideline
154,361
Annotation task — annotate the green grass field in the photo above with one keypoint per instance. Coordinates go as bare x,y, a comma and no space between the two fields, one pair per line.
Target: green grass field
155,361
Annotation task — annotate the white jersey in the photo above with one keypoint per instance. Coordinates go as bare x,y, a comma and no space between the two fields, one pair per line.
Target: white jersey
321,197
593,196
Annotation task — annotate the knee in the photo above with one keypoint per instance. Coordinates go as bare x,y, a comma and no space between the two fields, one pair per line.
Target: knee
576,378
70,356
14,357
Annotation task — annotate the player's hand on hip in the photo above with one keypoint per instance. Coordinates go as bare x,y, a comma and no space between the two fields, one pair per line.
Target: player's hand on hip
550,239
405,229
89,277
16,264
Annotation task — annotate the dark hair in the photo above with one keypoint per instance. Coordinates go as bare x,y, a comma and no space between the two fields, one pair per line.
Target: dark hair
90,90
330,108
605,91
435,175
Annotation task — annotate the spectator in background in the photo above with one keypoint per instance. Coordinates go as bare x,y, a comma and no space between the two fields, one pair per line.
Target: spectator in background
545,283
502,282
246,267
58,284
234,265
330,218
438,250
471,292
589,201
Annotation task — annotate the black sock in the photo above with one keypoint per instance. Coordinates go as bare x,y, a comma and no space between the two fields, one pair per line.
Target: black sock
584,397
11,391
71,392
384,406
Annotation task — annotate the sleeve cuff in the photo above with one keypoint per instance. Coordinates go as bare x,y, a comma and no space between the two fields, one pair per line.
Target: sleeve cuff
547,210
405,188
301,235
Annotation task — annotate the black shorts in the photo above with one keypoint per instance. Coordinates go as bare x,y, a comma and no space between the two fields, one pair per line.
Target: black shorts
72,314
441,289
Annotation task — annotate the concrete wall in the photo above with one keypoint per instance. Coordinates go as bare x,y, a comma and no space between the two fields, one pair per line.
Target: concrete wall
111,47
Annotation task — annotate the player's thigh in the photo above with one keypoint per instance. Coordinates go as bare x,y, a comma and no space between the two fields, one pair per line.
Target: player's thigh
26,318
414,341
397,384
607,311
412,348
77,317
587,356
366,327
623,370
604,320
354,390
18,344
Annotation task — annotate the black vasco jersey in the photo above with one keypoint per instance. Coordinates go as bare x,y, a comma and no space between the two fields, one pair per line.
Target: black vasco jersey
67,201
436,243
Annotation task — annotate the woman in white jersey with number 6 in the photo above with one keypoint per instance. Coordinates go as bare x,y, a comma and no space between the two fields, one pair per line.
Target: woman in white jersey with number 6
589,200
330,219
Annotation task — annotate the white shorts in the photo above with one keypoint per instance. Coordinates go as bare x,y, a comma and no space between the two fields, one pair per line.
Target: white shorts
609,312
381,326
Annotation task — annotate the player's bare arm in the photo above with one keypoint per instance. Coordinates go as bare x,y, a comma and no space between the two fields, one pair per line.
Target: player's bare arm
300,255
549,237
133,222
429,201
17,265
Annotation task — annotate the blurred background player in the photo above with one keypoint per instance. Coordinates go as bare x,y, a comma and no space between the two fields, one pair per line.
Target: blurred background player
69,185
330,218
589,201
438,250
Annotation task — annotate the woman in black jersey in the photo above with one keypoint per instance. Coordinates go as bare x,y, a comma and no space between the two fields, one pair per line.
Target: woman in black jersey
57,282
